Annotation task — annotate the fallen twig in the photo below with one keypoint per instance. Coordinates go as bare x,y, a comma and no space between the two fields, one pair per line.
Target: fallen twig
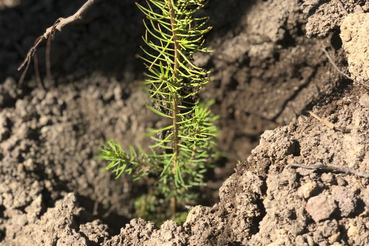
331,168
335,66
57,26
323,121
329,124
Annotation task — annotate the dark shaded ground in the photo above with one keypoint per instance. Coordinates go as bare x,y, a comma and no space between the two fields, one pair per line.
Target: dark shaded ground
267,73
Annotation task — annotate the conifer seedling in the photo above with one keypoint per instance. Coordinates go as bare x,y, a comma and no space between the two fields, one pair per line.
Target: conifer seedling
183,150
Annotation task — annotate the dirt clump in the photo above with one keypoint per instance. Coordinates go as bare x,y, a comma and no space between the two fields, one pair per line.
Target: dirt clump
324,17
354,35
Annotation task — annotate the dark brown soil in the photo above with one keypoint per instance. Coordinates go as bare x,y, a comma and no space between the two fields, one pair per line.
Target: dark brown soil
269,70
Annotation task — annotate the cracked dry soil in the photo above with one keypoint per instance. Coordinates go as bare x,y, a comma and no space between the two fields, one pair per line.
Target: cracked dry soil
270,70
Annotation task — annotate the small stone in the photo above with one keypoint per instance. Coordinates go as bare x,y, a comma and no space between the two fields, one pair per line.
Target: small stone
364,100
8,200
346,200
34,210
333,240
299,240
320,207
20,168
310,240
23,131
48,184
352,231
21,108
329,228
307,189
4,133
44,120
341,181
20,171
4,127
327,178
28,164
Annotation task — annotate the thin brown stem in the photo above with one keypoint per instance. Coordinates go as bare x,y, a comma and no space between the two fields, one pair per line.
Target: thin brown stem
27,61
48,66
175,99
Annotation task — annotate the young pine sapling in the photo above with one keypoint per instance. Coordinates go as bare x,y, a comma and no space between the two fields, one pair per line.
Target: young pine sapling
182,151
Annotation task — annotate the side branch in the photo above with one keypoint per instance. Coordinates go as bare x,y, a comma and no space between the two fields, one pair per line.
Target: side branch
58,25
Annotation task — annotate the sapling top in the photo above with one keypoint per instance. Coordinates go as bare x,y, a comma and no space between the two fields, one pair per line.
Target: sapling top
182,151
